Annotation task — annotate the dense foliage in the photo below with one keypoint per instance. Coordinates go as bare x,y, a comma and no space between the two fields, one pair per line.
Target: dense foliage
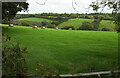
86,26
54,19
117,22
51,26
112,4
10,9
91,25
65,16
105,29
68,27
13,62
96,22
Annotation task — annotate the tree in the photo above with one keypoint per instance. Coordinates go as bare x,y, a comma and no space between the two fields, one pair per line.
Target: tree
10,9
44,23
68,27
112,4
115,6
86,26
96,22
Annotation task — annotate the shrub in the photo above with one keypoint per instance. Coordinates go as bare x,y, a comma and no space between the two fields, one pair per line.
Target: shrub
46,71
44,23
105,29
86,16
25,24
90,17
86,26
51,26
13,62
96,23
67,27
56,23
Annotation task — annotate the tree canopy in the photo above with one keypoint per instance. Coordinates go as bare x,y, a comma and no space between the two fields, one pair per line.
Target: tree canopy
10,9
112,4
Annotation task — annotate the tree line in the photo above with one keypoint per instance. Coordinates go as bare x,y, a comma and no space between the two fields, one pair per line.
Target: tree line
56,16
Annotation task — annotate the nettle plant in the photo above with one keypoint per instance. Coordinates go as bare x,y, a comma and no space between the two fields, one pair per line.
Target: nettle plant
13,62
42,70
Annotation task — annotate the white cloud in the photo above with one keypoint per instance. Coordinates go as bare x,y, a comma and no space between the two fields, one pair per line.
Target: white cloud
58,6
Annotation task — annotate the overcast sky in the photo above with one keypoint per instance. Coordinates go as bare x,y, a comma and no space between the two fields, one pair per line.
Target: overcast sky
59,6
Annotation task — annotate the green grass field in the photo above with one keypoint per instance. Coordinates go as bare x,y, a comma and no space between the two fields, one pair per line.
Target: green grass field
35,19
67,51
77,22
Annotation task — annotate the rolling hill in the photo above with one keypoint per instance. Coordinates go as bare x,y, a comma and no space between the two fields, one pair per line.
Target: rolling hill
67,51
77,22
35,19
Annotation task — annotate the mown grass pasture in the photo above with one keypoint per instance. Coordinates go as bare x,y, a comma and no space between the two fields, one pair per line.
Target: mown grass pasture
77,22
35,19
67,51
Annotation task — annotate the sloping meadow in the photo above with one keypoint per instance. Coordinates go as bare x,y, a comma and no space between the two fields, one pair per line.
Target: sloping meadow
77,22
67,51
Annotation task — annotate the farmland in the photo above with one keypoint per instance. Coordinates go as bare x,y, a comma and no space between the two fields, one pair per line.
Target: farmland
35,19
67,51
76,22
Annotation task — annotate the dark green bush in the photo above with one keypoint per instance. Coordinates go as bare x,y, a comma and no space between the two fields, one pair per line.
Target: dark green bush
86,16
25,24
56,23
44,23
51,26
105,29
67,27
86,26
96,23
13,62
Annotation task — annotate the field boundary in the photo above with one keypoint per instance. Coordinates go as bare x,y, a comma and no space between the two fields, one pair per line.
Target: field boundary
90,74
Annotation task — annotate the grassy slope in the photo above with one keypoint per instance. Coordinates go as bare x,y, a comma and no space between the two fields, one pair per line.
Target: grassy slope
77,22
35,19
107,24
67,51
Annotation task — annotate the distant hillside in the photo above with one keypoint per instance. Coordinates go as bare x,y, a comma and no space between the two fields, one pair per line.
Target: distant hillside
35,19
77,22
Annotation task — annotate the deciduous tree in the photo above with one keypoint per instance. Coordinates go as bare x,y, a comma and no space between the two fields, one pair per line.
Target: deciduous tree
112,4
10,9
